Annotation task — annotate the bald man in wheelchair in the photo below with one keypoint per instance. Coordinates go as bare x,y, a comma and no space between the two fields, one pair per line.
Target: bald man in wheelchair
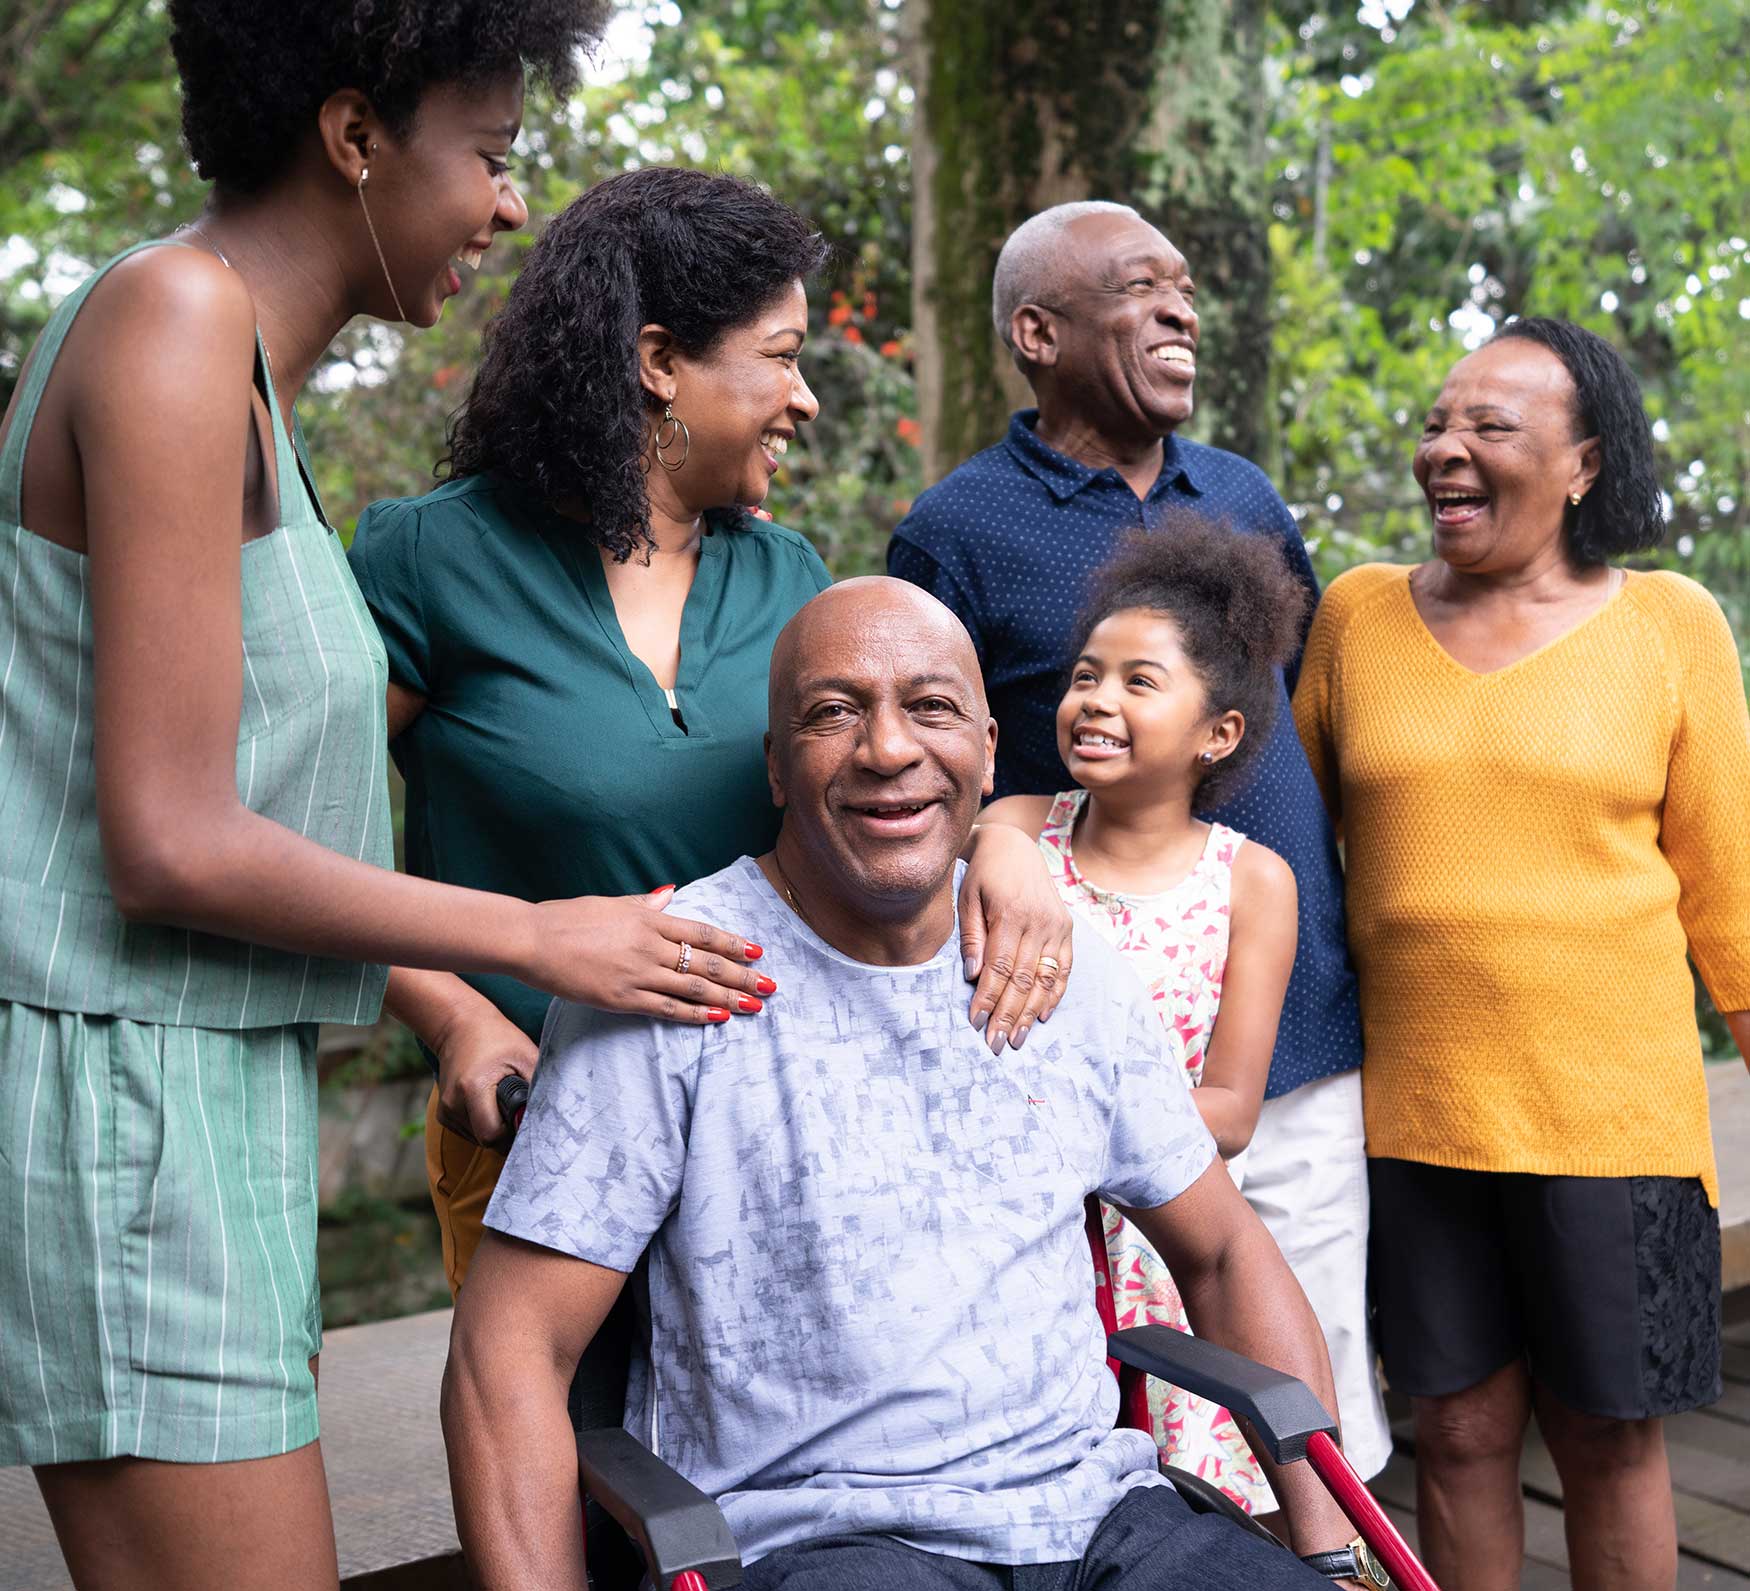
873,1335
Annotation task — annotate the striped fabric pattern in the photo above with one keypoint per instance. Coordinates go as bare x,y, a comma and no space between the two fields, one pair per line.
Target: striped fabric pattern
158,1293
158,1289
310,755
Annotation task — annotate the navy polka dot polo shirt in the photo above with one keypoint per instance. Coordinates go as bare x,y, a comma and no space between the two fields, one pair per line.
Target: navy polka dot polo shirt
1008,541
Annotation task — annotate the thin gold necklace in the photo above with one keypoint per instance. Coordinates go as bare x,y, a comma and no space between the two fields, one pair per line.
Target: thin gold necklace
789,888
225,260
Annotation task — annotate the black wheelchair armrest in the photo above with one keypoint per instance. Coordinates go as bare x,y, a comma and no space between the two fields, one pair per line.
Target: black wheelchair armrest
674,1524
1282,1411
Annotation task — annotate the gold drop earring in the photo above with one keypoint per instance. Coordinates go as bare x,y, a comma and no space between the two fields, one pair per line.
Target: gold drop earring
670,431
364,177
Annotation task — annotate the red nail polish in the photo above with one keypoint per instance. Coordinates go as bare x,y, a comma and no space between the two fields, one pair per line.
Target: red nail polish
746,1002
765,985
752,951
716,1013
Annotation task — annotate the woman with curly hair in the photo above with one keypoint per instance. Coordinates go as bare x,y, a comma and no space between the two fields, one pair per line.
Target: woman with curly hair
580,625
1540,762
195,866
1170,699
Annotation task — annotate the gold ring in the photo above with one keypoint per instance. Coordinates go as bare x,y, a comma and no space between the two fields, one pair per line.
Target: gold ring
686,957
1051,962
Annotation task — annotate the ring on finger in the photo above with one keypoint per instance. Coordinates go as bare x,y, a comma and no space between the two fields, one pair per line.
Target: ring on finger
685,959
1051,963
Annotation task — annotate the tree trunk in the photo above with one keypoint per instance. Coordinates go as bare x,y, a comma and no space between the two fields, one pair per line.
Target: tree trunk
1024,104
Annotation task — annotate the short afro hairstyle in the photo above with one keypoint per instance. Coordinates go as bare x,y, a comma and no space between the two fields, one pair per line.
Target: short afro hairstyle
254,72
1239,611
1624,511
556,404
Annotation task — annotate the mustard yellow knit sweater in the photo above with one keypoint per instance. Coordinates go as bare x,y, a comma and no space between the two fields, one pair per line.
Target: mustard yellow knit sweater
1529,854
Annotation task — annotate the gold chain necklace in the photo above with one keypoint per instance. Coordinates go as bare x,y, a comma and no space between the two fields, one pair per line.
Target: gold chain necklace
225,260
789,888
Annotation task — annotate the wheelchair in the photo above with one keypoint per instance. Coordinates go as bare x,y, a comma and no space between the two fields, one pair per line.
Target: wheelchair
677,1537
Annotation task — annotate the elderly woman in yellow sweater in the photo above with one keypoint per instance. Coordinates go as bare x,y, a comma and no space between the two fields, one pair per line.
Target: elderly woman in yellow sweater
1541,765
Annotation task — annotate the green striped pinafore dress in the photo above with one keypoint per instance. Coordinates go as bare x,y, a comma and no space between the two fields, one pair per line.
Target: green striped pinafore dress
158,1292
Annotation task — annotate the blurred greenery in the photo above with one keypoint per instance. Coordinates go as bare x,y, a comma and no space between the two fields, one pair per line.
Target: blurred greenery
1435,166
378,1259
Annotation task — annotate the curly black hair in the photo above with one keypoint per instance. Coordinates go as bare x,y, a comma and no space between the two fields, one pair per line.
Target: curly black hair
556,404
1238,609
1623,511
254,72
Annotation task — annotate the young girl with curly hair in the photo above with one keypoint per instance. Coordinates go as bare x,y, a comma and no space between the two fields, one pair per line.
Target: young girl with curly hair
1170,698
195,867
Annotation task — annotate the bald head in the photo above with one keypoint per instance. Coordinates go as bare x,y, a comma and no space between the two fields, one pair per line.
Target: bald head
875,614
1035,260
879,748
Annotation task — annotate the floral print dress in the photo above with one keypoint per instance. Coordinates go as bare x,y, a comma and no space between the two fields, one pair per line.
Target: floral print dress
1177,943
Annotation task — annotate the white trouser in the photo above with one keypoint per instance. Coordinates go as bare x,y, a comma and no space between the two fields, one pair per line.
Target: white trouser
1306,1176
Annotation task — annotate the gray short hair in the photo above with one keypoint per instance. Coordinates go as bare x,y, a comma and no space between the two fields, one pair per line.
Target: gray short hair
1032,261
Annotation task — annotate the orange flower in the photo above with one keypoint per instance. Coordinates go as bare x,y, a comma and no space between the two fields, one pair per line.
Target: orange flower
443,377
852,335
908,430
868,306
891,349
838,314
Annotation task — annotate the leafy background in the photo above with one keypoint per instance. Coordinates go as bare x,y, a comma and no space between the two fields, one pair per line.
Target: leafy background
1432,167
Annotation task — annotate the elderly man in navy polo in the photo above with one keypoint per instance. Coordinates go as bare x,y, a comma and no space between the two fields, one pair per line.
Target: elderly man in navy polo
1098,310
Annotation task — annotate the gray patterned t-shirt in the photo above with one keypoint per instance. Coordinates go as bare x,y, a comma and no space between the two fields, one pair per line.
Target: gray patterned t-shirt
871,1299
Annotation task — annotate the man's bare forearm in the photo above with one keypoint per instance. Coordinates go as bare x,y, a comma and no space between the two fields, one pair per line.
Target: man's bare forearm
513,1470
1250,1302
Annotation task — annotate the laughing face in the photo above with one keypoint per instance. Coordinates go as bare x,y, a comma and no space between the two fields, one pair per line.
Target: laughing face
443,197
1136,714
1123,341
742,402
1499,458
881,745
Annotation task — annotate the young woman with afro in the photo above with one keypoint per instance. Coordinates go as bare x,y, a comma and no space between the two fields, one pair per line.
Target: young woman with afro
195,867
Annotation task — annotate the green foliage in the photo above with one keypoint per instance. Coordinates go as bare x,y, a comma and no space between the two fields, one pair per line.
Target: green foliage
1436,166
1583,161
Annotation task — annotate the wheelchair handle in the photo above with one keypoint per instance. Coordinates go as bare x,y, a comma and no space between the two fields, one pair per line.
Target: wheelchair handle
513,1099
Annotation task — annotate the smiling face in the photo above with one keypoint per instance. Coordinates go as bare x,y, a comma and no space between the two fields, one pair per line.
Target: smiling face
1136,715
1499,457
881,745
440,196
742,401
1118,346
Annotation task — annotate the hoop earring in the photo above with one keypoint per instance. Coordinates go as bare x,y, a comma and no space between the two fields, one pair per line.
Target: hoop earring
668,432
364,177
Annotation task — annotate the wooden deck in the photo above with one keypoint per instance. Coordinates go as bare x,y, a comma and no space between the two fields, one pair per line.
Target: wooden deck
1710,1473
384,1453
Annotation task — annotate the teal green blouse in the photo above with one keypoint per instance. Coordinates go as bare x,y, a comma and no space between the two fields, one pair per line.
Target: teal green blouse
547,762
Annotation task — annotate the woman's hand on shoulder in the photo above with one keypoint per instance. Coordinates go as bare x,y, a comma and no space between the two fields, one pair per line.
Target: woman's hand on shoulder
1015,931
625,953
